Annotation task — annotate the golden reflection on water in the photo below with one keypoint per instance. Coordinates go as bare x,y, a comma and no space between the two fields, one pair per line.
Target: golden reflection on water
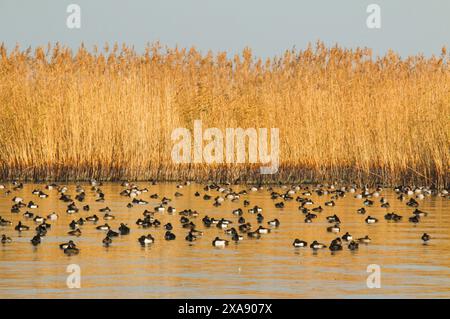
266,268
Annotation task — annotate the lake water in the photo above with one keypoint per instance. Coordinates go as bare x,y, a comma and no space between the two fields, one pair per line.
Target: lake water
269,267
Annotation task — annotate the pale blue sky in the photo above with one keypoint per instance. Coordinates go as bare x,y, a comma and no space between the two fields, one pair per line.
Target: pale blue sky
268,27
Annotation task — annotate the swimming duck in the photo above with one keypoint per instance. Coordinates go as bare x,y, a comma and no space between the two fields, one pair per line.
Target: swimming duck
245,227
241,220
299,243
237,212
419,213
4,222
112,233
263,230
230,231
139,201
124,229
36,240
361,211
414,219
15,209
392,217
108,216
330,203
335,246
217,242
28,215
316,245
371,220
353,245
236,237
86,208
71,250
38,219
105,210
334,229
318,209
21,227
364,240
184,220
169,235
76,232
333,219
6,240
107,241
41,230
274,223
70,243
53,216
254,234
259,218
412,203
191,237
189,225
171,210
145,240
255,210
368,202
103,227
222,224
347,237
426,237
17,199
72,210
279,205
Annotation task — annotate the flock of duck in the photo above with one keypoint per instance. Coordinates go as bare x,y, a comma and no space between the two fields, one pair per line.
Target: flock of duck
189,217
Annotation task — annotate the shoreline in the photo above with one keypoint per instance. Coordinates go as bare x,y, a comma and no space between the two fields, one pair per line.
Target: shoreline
222,174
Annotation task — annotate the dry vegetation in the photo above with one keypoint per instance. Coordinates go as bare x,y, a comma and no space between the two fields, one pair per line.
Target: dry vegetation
343,114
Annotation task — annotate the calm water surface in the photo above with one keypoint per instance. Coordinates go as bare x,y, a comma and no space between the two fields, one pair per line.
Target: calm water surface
266,268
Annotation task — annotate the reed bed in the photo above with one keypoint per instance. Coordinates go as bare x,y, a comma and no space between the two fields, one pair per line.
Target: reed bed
343,114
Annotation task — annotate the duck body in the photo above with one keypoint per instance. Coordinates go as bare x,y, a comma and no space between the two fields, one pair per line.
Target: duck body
169,235
274,223
124,229
316,245
299,243
21,227
70,243
76,232
217,242
371,220
107,241
6,240
347,237
353,245
146,240
425,237
36,240
103,227
71,250
334,229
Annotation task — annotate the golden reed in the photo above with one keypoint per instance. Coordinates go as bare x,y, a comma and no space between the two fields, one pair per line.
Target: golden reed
108,114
